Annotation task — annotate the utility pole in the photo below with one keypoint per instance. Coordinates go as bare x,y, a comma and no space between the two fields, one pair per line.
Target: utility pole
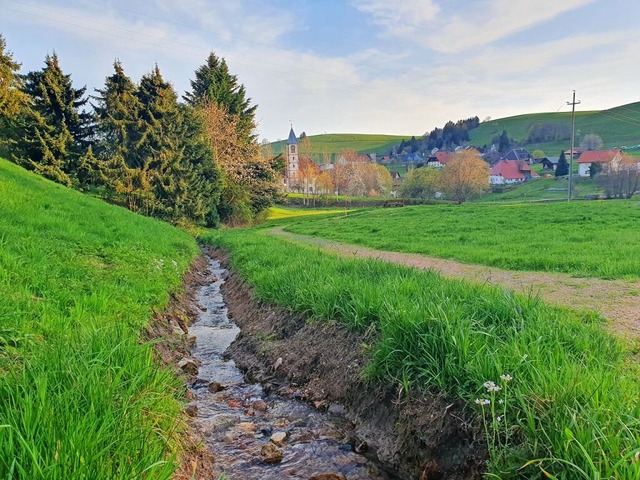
573,134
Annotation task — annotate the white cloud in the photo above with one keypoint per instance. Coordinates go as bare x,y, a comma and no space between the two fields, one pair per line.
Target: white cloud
492,20
474,24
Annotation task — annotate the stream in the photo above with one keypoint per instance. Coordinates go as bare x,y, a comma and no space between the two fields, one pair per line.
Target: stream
255,435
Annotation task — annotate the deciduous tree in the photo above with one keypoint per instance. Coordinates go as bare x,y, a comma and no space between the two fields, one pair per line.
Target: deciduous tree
591,141
421,183
465,176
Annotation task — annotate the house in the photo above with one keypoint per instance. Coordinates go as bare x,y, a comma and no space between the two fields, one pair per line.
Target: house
608,158
548,163
576,153
396,178
439,159
507,172
518,154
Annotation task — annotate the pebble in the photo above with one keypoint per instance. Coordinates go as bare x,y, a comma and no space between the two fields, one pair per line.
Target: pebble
271,453
189,366
328,476
259,406
191,410
215,387
278,438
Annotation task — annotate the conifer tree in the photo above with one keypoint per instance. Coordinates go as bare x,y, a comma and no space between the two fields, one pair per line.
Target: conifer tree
55,133
13,101
214,83
116,109
563,167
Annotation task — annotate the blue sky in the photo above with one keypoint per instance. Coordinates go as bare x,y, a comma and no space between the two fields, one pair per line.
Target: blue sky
356,66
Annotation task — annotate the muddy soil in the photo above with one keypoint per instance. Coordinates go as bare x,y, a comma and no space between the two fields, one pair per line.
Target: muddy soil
427,438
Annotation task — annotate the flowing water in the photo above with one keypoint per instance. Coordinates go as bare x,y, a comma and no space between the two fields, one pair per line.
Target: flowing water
239,418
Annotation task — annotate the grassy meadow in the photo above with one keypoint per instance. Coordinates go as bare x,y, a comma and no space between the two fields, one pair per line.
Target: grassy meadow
542,190
337,142
562,402
80,394
616,126
587,239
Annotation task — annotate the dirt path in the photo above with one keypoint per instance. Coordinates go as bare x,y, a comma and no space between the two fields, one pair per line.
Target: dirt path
616,300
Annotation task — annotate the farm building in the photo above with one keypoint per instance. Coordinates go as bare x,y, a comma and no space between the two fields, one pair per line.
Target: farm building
439,159
507,172
548,163
607,158
518,154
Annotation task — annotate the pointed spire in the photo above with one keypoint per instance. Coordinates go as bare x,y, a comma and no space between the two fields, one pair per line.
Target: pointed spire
292,138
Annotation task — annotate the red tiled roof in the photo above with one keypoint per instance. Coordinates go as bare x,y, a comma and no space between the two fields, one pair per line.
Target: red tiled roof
443,157
598,156
508,169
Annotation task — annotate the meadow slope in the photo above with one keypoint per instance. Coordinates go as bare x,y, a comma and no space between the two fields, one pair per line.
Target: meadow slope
81,394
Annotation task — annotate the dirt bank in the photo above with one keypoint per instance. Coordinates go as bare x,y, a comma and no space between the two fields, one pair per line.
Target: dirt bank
417,438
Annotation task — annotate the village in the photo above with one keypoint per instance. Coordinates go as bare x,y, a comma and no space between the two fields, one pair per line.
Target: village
375,175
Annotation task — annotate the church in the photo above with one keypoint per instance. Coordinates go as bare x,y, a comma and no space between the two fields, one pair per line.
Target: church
292,168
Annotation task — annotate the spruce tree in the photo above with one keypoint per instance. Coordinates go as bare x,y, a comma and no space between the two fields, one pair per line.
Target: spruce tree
13,101
55,133
562,168
117,109
214,83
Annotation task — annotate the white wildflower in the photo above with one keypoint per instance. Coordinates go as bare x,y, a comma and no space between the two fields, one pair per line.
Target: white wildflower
498,418
506,377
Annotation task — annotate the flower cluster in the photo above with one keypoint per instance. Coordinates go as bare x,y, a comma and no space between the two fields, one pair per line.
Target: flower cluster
482,401
491,387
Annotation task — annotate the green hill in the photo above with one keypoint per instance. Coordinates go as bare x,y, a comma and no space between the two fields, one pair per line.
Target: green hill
336,142
81,396
619,126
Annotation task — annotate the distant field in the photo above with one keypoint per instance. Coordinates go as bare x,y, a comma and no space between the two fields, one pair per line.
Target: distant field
337,142
542,189
278,213
619,126
588,238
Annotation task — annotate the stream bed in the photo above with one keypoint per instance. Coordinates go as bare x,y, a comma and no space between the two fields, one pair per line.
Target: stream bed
258,435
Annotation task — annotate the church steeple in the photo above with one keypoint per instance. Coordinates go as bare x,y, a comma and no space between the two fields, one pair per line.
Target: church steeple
293,163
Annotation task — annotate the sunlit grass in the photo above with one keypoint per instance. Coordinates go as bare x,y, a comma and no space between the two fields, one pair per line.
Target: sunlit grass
278,213
80,395
590,239
572,402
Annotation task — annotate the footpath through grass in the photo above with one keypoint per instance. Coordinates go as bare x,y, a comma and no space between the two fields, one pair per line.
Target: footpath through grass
80,396
586,239
561,396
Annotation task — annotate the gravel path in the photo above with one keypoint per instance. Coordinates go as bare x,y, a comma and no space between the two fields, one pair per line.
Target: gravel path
616,300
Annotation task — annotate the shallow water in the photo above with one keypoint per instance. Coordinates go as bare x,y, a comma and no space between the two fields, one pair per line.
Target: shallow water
240,419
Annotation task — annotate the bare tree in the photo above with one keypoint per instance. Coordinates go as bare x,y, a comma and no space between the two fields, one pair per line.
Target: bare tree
591,141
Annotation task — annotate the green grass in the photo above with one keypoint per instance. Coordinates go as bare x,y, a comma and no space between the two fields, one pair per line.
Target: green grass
280,212
590,239
337,142
571,402
81,396
617,126
542,189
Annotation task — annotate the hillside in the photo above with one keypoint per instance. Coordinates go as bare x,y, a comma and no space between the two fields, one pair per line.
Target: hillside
336,142
619,126
80,280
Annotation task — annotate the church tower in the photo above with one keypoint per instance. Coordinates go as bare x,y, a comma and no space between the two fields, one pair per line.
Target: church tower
293,164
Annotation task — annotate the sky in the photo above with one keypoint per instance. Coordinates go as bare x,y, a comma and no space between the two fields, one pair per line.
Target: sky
352,66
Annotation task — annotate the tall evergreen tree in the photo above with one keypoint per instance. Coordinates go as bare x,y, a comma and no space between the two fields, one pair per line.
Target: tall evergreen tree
563,167
117,109
13,101
505,142
214,83
55,133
